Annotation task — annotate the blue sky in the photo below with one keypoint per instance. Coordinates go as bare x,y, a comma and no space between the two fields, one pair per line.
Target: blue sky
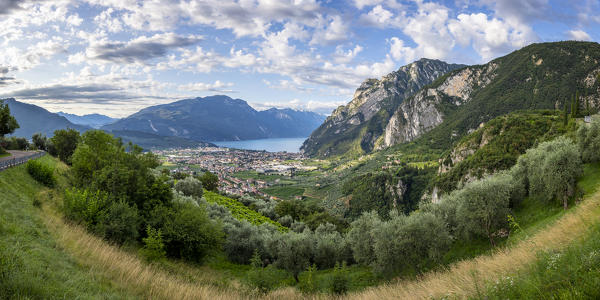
118,56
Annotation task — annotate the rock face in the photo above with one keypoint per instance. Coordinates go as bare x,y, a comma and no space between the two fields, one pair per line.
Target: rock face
423,111
360,124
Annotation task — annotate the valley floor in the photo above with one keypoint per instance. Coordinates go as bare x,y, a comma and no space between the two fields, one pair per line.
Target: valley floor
41,256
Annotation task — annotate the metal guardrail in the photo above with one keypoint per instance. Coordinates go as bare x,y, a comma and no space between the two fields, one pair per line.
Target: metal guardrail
21,160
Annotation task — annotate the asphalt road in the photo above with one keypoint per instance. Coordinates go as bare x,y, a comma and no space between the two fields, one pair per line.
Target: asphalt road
16,154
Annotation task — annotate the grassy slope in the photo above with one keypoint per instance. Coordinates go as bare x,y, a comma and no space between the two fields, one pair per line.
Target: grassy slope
72,262
29,255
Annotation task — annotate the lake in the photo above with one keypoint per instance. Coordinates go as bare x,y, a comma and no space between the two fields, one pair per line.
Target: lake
270,145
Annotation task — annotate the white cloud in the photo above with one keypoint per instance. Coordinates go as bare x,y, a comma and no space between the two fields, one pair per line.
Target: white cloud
489,37
333,30
382,18
322,107
344,57
217,86
579,35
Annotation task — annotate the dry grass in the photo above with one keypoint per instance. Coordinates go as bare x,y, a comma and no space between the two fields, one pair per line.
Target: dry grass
460,280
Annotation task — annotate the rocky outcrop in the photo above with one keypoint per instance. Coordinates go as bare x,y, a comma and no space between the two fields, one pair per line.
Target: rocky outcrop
423,111
374,101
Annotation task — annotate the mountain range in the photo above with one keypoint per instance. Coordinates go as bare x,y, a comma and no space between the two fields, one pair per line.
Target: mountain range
91,120
218,118
438,112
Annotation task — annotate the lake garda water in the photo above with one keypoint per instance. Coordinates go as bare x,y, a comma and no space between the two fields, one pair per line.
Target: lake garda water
270,145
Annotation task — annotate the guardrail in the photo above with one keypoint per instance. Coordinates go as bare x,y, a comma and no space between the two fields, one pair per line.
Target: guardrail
20,160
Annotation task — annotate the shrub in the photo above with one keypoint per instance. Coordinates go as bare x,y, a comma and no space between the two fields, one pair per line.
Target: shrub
42,173
84,206
243,240
119,223
154,248
340,280
330,247
188,233
190,186
263,279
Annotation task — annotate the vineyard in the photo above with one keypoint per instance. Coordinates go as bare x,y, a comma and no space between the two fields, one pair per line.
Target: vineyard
240,211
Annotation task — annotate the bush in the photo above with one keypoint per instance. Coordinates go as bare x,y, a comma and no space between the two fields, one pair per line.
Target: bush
190,186
330,247
154,248
340,280
42,173
264,279
293,252
119,223
84,206
243,240
188,233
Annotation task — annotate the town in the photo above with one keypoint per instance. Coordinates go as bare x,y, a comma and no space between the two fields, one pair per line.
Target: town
228,164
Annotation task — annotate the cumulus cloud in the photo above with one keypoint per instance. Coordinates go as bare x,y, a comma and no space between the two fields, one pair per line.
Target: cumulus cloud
382,18
519,11
579,35
334,29
489,37
139,49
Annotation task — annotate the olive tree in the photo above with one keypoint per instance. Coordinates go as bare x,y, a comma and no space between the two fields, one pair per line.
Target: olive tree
361,239
588,140
190,186
330,247
483,206
293,252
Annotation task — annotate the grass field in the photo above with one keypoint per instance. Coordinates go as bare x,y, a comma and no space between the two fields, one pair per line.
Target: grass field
284,192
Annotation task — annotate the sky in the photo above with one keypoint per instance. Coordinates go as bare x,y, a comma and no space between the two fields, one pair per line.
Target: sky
115,57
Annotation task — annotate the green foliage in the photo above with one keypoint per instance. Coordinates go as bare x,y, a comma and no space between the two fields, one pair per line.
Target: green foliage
419,240
32,264
65,142
119,223
292,208
361,237
188,233
243,239
370,192
154,247
340,281
14,143
309,284
42,173
552,169
261,278
39,141
240,211
573,273
484,206
190,186
85,206
503,139
8,123
588,140
293,251
330,247
210,181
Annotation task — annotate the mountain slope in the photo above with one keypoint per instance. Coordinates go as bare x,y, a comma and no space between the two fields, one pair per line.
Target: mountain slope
33,119
358,125
539,76
217,118
91,120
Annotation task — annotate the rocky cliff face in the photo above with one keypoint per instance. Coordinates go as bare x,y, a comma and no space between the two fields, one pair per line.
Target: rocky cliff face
359,124
424,110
